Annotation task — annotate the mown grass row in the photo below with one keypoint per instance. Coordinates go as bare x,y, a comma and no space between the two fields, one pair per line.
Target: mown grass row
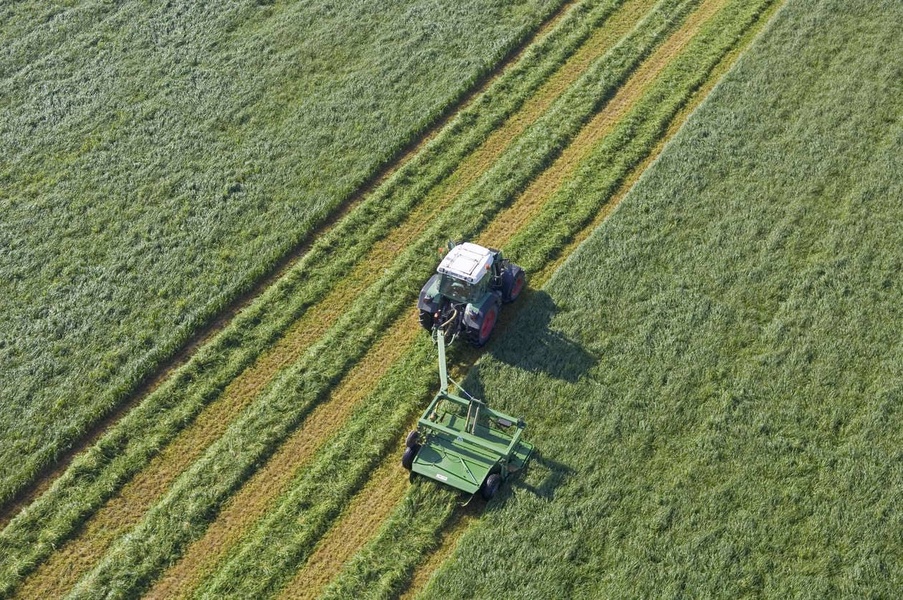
130,444
739,436
182,515
369,574
260,565
160,160
259,551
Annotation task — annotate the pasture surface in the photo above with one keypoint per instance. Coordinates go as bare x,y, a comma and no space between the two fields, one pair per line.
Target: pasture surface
266,464
159,160
716,380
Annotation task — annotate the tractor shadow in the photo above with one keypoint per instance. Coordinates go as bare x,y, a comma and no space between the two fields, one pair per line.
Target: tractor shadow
530,343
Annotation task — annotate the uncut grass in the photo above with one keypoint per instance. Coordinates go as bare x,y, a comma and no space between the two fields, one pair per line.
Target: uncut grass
129,445
158,168
737,434
706,50
136,558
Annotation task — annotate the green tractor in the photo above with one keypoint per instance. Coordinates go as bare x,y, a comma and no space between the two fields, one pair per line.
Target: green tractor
468,290
462,442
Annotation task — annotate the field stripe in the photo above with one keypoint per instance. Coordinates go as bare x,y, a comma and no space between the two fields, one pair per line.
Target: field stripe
367,555
410,160
252,554
468,200
500,231
276,432
469,171
199,368
125,510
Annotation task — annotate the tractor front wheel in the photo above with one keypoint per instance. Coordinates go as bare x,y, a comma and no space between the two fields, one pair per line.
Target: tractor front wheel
490,486
481,335
407,459
513,283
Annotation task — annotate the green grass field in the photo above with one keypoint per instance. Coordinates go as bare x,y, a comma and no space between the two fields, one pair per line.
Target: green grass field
712,379
716,378
160,159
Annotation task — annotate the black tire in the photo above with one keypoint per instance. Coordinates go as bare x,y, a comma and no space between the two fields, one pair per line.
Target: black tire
482,333
513,283
490,486
426,320
412,438
407,459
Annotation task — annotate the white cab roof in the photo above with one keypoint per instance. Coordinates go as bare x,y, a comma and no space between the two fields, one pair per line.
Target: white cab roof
468,262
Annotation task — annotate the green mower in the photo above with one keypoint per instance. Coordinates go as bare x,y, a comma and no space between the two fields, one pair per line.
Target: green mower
462,442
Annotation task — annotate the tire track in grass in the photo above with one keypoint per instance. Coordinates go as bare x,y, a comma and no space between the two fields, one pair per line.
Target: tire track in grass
450,532
500,231
113,566
124,510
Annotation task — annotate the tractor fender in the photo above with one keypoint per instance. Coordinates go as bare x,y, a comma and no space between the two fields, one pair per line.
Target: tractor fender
429,296
473,316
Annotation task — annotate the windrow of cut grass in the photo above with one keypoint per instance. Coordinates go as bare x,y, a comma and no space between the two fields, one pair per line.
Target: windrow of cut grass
159,160
718,37
739,435
96,475
203,553
312,576
431,166
255,552
270,419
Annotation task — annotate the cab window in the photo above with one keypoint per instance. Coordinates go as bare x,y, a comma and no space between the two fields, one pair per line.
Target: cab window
455,289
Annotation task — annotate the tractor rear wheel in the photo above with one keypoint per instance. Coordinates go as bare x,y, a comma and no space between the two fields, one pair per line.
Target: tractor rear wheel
480,335
426,320
490,486
407,459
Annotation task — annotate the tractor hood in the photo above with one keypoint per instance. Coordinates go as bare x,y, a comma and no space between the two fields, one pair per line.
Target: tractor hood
467,262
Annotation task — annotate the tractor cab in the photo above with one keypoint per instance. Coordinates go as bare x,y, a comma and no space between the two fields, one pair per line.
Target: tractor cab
463,272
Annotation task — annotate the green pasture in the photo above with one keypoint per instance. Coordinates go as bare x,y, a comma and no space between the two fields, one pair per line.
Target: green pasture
714,379
159,159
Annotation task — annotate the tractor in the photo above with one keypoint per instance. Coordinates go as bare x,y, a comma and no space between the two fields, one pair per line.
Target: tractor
468,290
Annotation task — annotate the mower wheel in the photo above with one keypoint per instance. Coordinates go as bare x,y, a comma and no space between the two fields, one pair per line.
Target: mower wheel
479,337
407,459
426,320
490,486
412,438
